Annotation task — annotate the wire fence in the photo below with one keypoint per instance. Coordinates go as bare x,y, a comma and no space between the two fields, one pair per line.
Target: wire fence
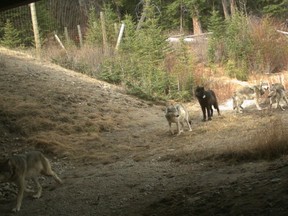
54,16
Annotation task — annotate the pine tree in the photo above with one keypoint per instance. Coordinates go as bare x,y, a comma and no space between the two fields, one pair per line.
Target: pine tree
11,37
216,25
94,35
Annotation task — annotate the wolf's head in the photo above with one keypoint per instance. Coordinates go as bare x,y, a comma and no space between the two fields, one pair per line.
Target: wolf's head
263,87
172,113
200,92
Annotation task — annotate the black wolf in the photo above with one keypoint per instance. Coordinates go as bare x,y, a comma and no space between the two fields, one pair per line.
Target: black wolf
207,99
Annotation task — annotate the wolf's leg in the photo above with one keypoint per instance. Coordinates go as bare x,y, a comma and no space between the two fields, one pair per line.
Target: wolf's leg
257,103
188,123
170,128
237,109
278,99
235,103
182,126
239,104
179,128
49,172
270,103
39,188
21,188
204,112
209,113
217,108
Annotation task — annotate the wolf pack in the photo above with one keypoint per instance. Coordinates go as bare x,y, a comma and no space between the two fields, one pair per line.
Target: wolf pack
178,114
32,164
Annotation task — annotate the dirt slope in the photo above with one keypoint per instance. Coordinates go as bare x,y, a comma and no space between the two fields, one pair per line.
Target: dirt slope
116,156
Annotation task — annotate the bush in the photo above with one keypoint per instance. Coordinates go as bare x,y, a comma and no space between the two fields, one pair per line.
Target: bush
234,71
246,44
139,63
11,37
110,71
216,40
270,50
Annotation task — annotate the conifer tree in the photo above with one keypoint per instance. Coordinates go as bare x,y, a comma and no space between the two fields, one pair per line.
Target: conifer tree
11,37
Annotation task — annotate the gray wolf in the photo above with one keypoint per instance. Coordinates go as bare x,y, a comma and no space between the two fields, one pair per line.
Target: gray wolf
207,99
276,94
177,114
248,93
18,168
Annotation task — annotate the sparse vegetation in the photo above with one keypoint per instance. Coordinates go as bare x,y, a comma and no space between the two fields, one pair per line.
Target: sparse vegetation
267,143
246,45
242,45
70,119
114,150
150,68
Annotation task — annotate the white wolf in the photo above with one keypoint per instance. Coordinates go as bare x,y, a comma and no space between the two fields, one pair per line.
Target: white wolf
248,93
177,114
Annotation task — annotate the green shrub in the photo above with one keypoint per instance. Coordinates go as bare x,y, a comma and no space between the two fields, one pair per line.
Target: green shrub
234,71
237,39
139,63
217,39
110,71
11,38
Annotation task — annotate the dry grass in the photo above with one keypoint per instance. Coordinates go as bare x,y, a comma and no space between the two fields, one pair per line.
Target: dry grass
234,139
85,60
267,142
270,46
56,112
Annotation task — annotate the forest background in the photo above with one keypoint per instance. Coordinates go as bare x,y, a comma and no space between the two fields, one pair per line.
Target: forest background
232,38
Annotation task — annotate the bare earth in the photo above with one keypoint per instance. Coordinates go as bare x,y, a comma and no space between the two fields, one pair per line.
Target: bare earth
116,156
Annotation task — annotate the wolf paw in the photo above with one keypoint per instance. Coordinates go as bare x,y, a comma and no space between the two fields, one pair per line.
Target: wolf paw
36,196
15,209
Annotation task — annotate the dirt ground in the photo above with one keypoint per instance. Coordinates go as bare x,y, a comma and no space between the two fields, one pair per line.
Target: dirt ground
117,157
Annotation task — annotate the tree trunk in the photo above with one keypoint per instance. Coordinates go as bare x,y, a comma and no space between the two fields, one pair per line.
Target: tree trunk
225,9
197,28
181,18
233,7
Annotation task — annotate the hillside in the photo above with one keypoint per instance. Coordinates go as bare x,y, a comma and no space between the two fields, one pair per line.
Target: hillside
116,156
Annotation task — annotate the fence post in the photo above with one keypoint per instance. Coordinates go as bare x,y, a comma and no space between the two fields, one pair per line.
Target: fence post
120,36
104,35
80,36
35,30
66,35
